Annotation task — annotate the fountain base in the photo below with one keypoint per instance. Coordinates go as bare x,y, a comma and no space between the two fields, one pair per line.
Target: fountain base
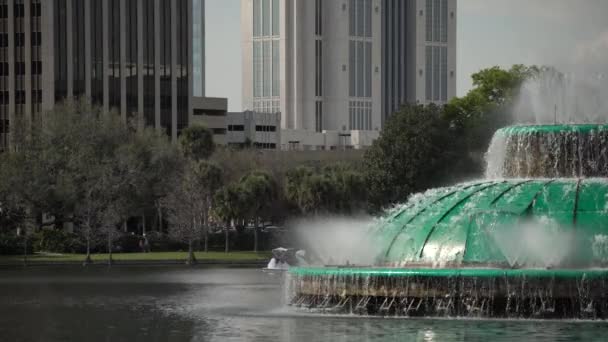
466,292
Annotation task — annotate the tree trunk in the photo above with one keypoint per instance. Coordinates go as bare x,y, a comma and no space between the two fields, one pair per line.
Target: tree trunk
227,239
143,223
124,226
110,261
191,258
255,236
160,218
24,249
206,233
87,260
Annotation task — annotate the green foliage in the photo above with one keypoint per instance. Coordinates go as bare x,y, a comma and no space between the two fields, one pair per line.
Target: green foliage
487,107
427,146
197,142
408,156
335,188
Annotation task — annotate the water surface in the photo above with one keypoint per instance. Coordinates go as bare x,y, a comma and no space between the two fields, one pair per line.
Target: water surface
201,304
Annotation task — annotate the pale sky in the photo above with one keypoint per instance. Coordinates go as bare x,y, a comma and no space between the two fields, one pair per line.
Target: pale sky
569,34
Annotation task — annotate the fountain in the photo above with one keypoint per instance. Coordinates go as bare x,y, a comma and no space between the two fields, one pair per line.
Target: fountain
528,241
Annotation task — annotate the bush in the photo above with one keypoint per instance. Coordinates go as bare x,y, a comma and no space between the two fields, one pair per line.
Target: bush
160,242
57,241
128,243
10,243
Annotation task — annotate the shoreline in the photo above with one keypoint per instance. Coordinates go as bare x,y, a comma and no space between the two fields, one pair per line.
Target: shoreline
140,263
209,259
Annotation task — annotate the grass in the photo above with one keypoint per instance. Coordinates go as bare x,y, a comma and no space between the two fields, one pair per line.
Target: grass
140,257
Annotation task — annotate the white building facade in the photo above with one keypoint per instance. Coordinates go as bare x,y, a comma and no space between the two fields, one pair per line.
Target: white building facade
322,64
418,52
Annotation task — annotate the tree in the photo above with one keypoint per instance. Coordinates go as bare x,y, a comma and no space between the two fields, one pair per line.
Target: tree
336,188
258,192
408,155
209,181
190,201
197,142
152,160
229,204
488,105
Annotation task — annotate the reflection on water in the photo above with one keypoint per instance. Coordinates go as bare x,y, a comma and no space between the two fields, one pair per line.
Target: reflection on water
181,304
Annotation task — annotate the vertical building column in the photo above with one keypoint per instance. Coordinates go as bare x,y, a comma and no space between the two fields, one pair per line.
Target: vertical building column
105,47
140,65
157,38
87,49
27,28
69,49
190,66
11,71
174,71
123,61
297,74
47,57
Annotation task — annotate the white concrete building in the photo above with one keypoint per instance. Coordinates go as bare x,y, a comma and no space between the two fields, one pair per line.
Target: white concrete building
260,130
263,130
343,65
418,52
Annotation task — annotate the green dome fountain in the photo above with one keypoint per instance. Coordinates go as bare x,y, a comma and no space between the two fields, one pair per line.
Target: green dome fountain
530,240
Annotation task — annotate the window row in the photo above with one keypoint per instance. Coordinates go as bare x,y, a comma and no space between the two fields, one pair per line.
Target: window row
265,128
236,128
20,68
266,68
266,146
20,97
267,106
266,18
19,10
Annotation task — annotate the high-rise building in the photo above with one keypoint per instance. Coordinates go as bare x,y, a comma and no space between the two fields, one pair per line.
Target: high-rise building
142,58
344,65
317,62
418,52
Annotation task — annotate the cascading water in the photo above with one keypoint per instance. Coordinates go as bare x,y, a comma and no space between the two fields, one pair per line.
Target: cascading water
529,240
549,151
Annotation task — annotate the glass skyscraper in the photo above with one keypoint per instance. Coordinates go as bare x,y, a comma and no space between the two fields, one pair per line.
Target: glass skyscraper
142,58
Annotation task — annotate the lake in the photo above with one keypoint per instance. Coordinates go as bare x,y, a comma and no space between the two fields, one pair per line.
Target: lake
216,304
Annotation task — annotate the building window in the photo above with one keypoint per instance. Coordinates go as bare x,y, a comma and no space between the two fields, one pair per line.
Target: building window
318,67
265,128
236,128
275,18
266,50
198,29
319,17
319,116
360,18
19,10
360,54
360,115
437,21
436,73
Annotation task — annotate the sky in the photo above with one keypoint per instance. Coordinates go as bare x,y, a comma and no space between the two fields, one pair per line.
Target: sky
568,34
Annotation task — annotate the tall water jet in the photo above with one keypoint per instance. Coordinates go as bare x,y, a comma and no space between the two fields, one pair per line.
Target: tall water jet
530,240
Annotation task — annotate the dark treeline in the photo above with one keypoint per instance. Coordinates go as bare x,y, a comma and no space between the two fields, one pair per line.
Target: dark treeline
86,170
